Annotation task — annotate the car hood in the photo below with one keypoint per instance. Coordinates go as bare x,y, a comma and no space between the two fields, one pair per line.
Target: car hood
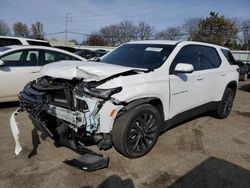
89,71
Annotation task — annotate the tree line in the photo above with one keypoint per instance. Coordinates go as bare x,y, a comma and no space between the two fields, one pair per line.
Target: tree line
214,28
22,30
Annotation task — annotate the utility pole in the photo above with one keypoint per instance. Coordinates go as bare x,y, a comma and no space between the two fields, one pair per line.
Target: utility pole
67,19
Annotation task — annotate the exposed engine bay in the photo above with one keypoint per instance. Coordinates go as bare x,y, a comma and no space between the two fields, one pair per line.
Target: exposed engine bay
69,110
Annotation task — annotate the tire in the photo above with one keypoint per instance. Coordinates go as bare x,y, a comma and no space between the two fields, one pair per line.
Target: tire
243,77
135,133
225,105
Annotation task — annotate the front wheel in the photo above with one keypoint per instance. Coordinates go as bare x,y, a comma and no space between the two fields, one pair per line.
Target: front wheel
135,132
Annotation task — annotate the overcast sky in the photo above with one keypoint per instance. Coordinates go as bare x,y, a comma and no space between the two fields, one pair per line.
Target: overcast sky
87,16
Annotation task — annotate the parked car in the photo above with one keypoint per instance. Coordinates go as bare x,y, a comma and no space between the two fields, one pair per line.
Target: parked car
100,53
243,70
67,48
7,41
87,54
21,64
137,91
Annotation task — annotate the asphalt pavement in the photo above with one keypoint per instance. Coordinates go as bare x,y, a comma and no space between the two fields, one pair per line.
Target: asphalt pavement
201,152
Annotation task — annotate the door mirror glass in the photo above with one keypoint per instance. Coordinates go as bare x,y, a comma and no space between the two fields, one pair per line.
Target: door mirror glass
1,63
184,68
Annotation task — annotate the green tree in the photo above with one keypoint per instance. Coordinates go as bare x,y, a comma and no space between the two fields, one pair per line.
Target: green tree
217,29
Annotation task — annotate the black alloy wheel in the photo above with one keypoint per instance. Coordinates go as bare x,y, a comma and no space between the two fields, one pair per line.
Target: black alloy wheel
226,104
135,132
142,133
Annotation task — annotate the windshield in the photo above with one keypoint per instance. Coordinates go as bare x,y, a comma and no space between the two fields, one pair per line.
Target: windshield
148,56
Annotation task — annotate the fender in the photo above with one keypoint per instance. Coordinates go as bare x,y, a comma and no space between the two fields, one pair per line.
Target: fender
233,85
137,102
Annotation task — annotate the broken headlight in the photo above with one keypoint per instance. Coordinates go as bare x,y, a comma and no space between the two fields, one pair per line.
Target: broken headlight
102,93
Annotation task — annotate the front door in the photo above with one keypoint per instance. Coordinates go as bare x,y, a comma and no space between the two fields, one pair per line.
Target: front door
190,90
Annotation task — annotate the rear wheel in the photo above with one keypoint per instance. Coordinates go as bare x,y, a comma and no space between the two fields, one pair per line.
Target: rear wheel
245,77
135,132
226,104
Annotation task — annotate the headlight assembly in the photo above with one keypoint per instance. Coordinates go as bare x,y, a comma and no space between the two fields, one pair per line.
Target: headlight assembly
102,93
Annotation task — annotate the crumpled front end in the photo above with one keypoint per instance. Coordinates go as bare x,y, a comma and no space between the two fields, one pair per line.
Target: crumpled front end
72,112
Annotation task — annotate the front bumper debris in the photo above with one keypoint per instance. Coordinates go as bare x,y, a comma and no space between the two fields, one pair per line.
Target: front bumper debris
15,131
88,161
73,114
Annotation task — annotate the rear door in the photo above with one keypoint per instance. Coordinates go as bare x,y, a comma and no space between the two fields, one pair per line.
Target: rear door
210,74
20,67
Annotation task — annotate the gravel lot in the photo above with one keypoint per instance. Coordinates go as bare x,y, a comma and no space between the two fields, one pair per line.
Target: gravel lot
202,152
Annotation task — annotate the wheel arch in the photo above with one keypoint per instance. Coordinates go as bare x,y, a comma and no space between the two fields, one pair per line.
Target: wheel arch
232,85
154,101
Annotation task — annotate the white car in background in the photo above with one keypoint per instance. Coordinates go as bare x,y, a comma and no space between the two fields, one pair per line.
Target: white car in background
21,64
7,41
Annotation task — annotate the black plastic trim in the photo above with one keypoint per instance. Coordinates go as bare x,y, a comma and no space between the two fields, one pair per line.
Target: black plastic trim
189,114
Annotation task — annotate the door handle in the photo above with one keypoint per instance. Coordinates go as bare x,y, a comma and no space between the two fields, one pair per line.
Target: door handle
223,74
199,78
34,72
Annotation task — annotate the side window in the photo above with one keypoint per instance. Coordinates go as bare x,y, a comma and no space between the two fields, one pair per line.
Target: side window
13,59
52,56
32,58
229,57
188,54
208,58
22,58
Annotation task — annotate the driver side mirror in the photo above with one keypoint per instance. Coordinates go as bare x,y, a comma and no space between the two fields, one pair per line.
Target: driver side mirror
184,68
1,63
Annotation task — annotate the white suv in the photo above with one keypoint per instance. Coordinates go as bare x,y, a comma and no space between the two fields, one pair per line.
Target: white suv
7,41
137,91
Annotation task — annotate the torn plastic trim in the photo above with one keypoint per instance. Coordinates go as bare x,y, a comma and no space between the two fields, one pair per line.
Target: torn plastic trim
15,131
91,116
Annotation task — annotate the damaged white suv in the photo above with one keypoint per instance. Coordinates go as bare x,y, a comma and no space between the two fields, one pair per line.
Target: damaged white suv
135,92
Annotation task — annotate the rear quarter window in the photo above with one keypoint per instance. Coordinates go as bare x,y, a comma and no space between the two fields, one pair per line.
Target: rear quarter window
229,56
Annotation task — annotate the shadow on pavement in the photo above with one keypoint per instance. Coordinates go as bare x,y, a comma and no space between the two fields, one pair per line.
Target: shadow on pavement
216,173
9,104
245,87
114,181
